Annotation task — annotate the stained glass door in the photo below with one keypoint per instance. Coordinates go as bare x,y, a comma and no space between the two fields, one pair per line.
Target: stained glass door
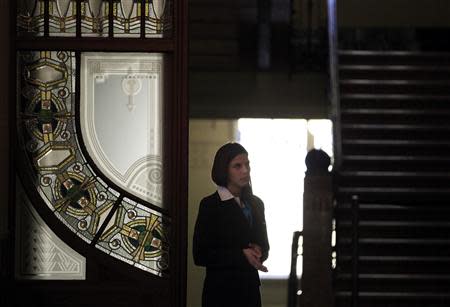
101,134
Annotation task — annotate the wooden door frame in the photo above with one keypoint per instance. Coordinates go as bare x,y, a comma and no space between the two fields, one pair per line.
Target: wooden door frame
177,130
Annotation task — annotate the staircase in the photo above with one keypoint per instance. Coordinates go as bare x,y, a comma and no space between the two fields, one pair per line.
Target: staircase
394,126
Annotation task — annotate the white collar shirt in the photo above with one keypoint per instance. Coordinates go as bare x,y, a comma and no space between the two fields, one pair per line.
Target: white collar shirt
225,195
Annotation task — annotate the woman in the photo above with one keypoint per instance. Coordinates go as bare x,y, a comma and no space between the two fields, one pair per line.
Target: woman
230,236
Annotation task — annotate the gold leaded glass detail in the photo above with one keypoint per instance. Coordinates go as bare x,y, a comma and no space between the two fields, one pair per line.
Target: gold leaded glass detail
54,157
47,132
94,18
30,17
46,90
127,18
137,235
65,180
63,16
46,73
158,18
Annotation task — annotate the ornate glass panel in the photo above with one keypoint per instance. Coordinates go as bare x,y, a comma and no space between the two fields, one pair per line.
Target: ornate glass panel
138,236
94,17
62,175
127,18
30,17
62,17
158,18
47,127
121,111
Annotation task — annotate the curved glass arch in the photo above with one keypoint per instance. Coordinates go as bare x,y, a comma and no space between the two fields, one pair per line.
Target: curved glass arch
120,117
98,213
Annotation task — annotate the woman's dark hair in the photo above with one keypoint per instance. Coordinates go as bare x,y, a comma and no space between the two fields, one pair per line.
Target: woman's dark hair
224,155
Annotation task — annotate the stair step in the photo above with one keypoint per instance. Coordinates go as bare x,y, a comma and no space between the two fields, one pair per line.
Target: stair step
395,97
390,68
400,174
395,190
409,206
397,241
428,127
389,82
399,158
427,277
395,259
397,295
405,112
397,142
397,54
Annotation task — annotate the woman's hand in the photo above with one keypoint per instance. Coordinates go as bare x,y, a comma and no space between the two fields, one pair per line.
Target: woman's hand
253,254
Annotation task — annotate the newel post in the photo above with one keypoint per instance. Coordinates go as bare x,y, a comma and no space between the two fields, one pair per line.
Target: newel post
317,229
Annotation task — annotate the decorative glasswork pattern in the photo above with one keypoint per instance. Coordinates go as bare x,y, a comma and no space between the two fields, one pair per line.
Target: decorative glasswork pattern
124,88
41,255
46,111
138,236
127,18
158,18
62,17
94,18
30,17
62,176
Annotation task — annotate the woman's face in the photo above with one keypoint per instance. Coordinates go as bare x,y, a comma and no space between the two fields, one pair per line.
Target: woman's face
238,172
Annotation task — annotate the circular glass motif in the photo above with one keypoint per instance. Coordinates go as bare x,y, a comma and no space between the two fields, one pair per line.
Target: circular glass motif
83,224
155,174
45,117
75,195
148,239
114,244
46,181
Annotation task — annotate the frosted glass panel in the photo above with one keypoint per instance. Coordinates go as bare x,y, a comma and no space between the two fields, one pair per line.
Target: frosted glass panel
121,119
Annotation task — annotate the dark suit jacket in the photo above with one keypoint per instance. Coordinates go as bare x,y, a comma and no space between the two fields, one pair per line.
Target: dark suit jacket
220,234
